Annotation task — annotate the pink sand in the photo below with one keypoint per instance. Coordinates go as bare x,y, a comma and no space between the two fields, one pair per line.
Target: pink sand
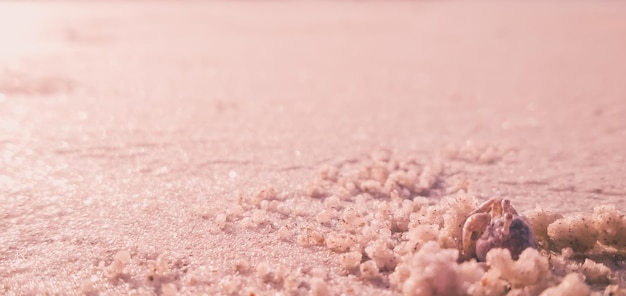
130,126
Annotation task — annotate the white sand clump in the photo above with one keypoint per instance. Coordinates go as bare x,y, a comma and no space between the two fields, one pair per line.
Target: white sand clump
372,187
352,220
284,233
220,221
574,231
442,222
246,222
280,272
199,276
259,216
350,261
234,211
572,285
318,272
255,218
116,268
369,235
319,287
369,269
380,177
529,275
332,202
491,285
271,206
339,242
429,175
311,237
269,274
381,254
266,194
595,273
159,269
434,271
326,216
230,285
530,271
169,289
417,236
401,213
88,286
611,227
264,272
581,232
562,263
291,283
477,153
241,266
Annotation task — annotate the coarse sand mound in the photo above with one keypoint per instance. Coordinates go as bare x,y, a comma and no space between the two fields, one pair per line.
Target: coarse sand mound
396,222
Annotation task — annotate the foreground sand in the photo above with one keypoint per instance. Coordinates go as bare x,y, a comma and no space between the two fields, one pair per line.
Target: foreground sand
156,148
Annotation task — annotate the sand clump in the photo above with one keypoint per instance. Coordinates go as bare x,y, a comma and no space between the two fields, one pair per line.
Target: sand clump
396,222
595,272
610,227
603,230
120,260
434,271
529,274
575,232
572,285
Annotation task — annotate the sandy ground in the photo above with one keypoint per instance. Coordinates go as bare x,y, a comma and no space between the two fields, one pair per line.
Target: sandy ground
134,138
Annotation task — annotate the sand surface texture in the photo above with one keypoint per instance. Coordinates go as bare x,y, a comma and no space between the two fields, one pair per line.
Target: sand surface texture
303,148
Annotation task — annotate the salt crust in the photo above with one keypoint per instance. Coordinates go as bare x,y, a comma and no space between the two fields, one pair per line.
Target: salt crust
390,220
